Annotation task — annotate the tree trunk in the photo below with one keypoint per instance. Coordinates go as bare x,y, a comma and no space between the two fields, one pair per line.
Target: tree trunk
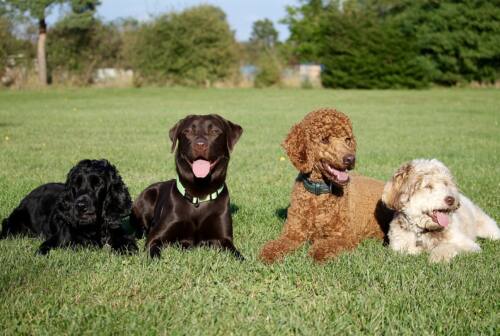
41,59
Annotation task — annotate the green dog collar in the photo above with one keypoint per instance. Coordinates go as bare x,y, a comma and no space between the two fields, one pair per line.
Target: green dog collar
197,200
316,188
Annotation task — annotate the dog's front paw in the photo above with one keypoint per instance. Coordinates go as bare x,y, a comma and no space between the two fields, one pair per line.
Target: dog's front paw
272,251
320,255
43,250
474,247
443,253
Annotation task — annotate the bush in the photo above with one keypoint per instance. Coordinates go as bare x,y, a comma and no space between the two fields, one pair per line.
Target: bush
75,52
362,53
15,54
269,73
398,43
194,47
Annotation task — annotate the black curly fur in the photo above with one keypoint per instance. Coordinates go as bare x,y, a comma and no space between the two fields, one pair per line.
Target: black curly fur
54,212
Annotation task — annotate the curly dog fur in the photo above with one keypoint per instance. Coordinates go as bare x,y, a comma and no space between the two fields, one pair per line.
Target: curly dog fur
431,214
320,146
87,210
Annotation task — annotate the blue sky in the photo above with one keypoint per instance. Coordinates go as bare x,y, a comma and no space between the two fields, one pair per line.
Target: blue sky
240,13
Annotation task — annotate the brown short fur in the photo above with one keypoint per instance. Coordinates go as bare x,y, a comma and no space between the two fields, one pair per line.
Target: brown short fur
331,222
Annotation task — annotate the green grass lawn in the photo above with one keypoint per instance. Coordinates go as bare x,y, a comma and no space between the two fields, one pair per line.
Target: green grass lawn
368,291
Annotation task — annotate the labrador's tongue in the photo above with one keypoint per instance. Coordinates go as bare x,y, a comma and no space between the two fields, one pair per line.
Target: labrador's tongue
442,218
201,168
340,175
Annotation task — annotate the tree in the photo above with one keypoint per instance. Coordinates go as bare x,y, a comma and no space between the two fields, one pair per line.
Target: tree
75,51
264,35
305,22
38,10
460,38
13,50
193,47
398,43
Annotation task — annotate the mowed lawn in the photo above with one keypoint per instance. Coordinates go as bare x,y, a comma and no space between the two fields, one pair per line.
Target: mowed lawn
203,292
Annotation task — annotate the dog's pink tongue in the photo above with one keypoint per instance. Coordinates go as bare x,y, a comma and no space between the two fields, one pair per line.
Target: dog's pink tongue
341,176
201,168
442,218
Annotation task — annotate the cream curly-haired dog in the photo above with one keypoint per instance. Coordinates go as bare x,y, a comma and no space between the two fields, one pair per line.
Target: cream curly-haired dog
431,214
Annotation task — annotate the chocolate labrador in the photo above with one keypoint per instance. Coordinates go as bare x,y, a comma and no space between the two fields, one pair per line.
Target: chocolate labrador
193,209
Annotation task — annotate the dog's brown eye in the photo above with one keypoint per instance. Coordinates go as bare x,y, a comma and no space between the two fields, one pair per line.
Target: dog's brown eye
429,186
214,132
348,141
326,140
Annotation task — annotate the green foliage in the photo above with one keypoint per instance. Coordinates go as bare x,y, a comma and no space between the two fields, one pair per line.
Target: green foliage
193,47
358,51
10,45
370,290
398,43
38,9
7,42
76,51
79,43
460,38
269,70
264,35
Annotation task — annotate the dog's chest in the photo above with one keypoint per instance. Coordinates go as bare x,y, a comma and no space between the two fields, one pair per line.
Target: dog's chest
330,215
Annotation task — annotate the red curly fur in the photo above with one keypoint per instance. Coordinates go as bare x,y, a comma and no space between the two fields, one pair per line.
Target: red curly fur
336,221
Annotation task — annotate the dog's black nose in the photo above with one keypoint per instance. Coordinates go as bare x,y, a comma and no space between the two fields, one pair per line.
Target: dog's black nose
81,206
349,160
450,200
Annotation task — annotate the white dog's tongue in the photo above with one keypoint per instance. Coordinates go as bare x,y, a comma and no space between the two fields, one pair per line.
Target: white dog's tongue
340,175
442,218
201,168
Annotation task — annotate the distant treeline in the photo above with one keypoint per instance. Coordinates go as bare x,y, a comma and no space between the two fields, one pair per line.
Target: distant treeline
359,43
398,43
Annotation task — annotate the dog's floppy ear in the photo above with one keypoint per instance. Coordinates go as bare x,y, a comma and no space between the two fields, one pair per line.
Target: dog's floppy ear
173,134
117,203
233,131
397,190
297,149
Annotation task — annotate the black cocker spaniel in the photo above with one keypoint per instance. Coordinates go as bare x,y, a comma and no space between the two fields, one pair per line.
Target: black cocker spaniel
90,209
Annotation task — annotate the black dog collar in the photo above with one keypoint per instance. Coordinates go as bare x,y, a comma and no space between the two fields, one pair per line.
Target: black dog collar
316,188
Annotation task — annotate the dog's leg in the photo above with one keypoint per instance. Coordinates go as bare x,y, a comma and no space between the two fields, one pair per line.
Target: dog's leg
122,243
158,236
277,249
60,239
403,241
458,243
443,252
324,249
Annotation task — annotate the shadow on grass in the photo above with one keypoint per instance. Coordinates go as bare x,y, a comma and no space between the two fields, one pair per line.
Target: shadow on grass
233,208
281,213
8,124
